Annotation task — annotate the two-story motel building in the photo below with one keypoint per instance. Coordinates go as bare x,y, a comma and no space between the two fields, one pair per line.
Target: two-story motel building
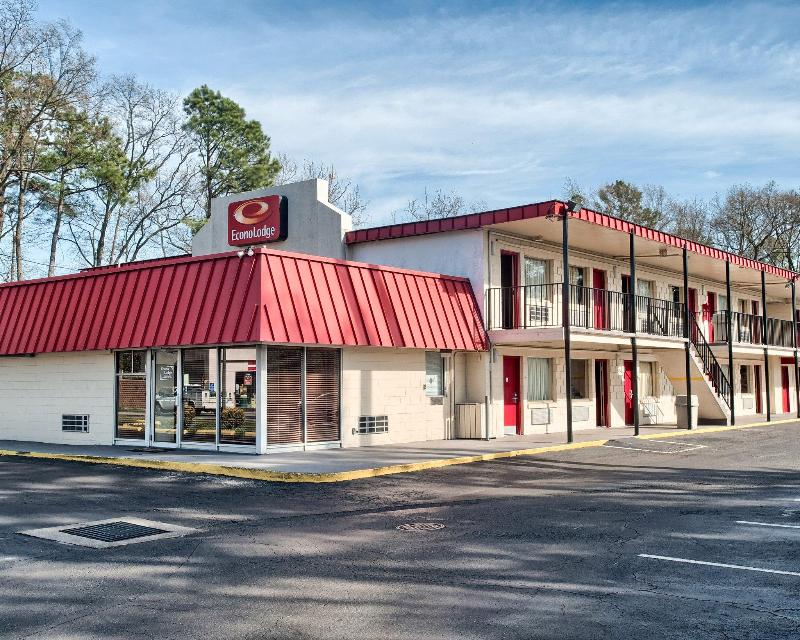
285,328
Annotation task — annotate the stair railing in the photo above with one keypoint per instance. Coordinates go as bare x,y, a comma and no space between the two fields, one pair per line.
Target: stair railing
711,366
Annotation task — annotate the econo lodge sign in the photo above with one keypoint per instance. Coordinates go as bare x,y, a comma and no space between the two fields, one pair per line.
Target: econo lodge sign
257,221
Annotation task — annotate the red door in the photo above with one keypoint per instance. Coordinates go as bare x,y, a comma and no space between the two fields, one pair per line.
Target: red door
628,388
709,309
511,413
785,389
599,293
693,310
757,380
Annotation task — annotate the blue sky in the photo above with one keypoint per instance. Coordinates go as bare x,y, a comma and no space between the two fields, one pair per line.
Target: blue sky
497,101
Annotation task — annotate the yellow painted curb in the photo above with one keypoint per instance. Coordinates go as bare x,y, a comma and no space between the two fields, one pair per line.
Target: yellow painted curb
341,476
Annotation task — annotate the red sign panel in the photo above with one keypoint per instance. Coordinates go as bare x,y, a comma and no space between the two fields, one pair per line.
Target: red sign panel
257,221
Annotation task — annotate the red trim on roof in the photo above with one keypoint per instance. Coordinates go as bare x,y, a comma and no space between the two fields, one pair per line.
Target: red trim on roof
537,210
272,297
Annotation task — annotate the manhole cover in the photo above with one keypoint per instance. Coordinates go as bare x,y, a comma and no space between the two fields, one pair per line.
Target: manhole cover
113,531
420,526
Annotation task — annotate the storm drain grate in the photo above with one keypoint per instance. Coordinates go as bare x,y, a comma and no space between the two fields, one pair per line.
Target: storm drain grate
420,526
114,531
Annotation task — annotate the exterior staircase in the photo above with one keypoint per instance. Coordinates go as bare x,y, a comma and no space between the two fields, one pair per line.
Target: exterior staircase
709,382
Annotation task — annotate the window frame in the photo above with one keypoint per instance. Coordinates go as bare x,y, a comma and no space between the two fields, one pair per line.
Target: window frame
441,390
573,368
549,393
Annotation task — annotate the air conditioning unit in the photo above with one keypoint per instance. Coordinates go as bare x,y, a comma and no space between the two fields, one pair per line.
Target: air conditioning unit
538,314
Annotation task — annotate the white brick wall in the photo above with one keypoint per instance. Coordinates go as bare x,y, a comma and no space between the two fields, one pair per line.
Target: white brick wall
35,392
389,382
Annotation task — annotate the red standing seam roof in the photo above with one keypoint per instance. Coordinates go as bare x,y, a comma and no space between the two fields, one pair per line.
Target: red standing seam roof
537,210
270,297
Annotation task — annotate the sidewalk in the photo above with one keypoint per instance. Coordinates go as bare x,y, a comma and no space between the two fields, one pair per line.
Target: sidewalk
330,465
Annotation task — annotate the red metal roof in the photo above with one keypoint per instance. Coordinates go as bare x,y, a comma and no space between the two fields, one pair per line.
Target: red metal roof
273,296
524,212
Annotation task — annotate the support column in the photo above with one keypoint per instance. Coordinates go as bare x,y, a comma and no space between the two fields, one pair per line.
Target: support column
794,344
634,348
687,345
729,325
764,341
261,398
565,320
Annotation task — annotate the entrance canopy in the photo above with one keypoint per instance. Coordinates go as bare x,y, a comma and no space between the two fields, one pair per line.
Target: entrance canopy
271,296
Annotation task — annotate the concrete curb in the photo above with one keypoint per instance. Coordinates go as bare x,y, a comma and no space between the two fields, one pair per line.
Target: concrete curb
358,474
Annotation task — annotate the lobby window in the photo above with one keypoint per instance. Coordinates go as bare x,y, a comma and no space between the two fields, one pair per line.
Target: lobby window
131,394
434,374
539,379
238,415
200,388
744,379
578,385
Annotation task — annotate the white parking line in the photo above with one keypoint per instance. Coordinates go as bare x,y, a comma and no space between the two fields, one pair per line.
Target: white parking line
683,450
720,564
769,524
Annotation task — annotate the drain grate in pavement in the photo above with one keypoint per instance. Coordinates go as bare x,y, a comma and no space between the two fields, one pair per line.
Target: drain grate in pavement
420,526
652,446
113,531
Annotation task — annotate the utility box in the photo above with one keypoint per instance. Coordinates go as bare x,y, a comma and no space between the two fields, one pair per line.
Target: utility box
468,420
681,403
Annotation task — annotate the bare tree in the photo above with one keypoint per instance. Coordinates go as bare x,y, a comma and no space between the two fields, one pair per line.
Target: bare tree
147,188
438,204
43,69
342,192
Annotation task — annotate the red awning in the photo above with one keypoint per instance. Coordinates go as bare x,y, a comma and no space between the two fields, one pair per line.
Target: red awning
273,296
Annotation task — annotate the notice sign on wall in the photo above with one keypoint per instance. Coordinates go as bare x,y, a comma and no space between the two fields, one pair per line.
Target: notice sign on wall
257,221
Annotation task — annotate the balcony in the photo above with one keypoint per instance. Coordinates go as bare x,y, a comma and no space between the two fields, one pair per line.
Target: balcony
749,329
539,306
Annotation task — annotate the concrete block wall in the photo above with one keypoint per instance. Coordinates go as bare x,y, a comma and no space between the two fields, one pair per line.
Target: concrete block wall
37,391
391,382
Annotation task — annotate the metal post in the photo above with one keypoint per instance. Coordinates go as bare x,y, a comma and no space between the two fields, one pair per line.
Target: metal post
687,344
634,348
794,343
729,325
565,318
764,340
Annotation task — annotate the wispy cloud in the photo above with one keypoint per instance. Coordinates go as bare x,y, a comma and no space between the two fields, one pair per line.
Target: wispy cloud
500,102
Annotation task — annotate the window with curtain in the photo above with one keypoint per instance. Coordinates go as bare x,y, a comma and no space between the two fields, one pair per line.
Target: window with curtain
576,276
744,379
644,288
722,303
647,380
578,386
538,379
535,271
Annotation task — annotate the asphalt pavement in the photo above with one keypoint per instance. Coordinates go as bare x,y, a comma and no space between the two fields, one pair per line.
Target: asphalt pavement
694,539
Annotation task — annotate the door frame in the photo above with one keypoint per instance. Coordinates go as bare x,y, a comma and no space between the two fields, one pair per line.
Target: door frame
518,360
514,298
151,392
602,407
757,387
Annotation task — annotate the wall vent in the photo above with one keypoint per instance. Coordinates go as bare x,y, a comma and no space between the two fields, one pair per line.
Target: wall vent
540,415
77,423
373,424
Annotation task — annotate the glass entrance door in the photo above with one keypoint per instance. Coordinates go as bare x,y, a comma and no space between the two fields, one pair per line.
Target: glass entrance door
165,397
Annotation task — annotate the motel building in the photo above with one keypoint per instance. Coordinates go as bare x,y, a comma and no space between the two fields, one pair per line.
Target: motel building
286,329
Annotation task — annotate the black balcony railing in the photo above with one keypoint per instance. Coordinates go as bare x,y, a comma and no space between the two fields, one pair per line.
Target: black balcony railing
539,305
711,366
749,329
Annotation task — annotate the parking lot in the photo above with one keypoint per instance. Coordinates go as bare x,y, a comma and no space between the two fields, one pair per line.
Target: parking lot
693,538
